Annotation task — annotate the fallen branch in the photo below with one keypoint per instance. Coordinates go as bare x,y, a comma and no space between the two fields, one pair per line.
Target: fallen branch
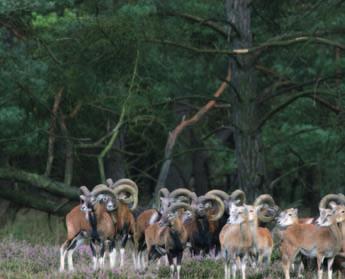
40,182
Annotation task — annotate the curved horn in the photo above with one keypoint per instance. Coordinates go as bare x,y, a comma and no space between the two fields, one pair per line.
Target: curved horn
265,199
129,189
219,193
109,182
324,202
179,205
125,181
221,208
163,192
183,192
84,190
264,218
102,188
238,195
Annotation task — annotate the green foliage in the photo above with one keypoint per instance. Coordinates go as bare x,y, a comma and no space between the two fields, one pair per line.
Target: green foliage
88,49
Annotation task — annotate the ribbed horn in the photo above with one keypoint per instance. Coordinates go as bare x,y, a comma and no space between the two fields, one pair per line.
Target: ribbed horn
238,195
179,205
183,192
102,189
84,190
337,198
128,189
125,181
163,192
265,199
219,193
109,182
220,206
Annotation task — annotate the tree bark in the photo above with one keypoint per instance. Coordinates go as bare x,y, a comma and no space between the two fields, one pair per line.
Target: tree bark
245,109
200,171
24,196
51,133
39,182
68,151
37,191
115,164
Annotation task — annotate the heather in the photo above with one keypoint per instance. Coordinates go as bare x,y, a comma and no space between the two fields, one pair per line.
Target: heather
21,259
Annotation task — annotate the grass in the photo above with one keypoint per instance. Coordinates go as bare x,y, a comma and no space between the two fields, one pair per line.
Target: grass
29,249
21,259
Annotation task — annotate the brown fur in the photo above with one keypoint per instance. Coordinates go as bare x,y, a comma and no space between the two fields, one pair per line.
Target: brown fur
264,244
237,242
156,235
325,242
142,223
76,222
124,217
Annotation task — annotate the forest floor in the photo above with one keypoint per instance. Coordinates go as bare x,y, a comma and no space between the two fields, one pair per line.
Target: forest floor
29,249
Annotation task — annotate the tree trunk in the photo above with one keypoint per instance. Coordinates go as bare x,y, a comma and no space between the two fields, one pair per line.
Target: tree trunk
38,182
68,151
115,163
51,133
200,171
23,195
37,191
245,110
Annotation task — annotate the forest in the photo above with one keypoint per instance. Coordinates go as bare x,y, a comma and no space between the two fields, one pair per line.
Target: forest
197,94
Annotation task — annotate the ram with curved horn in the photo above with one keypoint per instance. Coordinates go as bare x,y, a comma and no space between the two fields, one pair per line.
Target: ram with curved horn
321,241
203,226
90,220
126,193
169,236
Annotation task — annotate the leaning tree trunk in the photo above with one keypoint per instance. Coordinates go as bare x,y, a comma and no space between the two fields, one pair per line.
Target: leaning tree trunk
245,109
37,191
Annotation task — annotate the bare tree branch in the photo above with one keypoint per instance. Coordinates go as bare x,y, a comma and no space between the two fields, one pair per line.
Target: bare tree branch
181,126
309,94
257,49
206,22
